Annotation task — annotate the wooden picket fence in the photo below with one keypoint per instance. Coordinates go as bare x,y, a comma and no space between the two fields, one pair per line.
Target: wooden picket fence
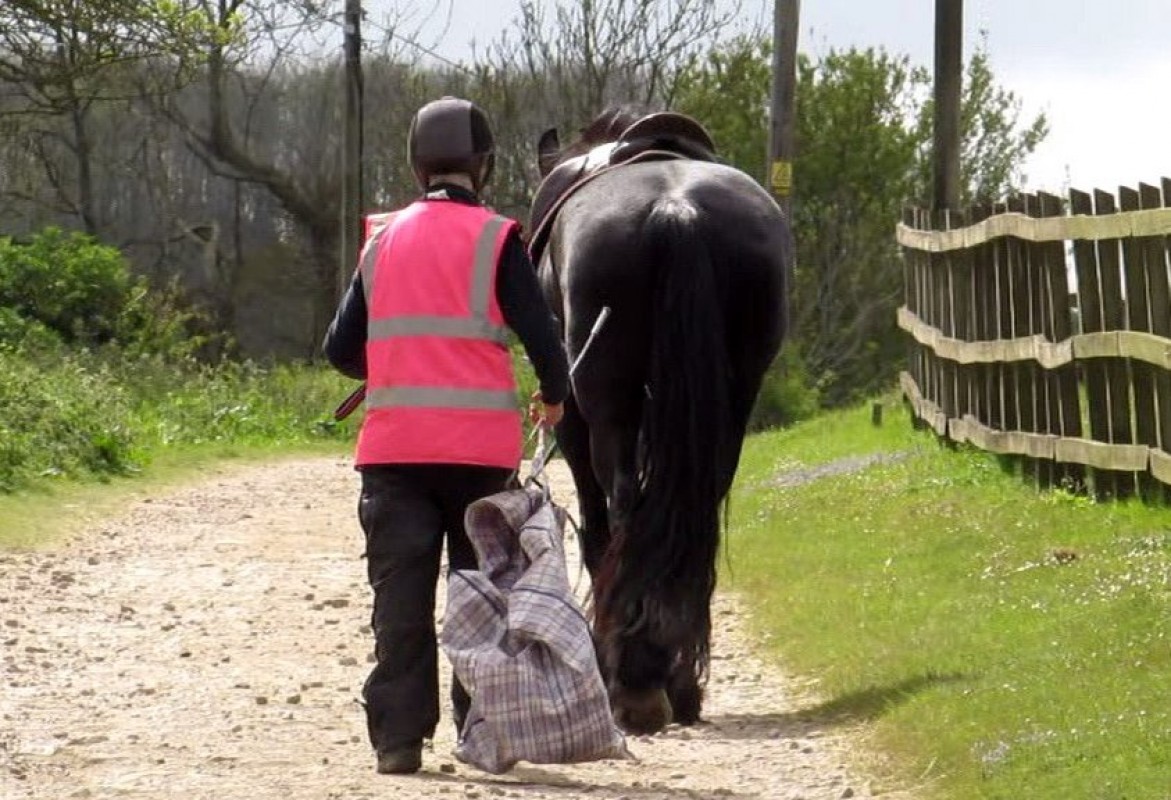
1074,386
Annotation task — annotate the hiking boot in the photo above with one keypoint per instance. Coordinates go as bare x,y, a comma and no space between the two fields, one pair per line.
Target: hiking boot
401,760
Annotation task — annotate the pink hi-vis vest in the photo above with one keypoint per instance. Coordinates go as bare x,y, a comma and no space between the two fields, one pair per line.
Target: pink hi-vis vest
439,382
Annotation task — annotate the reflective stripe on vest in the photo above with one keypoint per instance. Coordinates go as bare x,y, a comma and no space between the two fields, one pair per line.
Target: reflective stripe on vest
369,259
477,326
431,397
424,325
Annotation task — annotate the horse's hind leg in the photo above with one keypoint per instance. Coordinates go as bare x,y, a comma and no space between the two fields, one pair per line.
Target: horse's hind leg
638,712
635,665
574,438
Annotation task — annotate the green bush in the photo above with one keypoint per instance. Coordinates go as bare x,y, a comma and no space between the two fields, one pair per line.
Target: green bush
154,323
239,402
23,335
87,414
67,282
72,409
68,419
83,293
787,394
97,371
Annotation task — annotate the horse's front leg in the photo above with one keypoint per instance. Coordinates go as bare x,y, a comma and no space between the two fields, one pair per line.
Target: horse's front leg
574,438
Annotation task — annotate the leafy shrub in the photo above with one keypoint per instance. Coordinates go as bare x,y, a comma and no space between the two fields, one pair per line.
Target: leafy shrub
83,293
67,282
786,395
97,371
154,323
20,334
86,415
66,419
239,402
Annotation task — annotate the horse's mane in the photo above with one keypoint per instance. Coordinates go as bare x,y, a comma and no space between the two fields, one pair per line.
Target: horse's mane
604,128
609,125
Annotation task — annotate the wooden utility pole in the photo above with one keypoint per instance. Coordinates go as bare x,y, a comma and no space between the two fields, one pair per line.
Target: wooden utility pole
351,211
782,128
783,124
949,73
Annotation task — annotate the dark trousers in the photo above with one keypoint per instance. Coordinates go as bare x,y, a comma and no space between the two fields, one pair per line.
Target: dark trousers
406,511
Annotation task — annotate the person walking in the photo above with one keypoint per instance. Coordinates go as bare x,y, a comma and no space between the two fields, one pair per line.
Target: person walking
423,322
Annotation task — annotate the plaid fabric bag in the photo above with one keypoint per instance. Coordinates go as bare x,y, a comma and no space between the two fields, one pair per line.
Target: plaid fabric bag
520,644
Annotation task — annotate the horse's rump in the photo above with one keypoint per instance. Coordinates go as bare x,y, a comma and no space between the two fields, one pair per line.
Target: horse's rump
603,255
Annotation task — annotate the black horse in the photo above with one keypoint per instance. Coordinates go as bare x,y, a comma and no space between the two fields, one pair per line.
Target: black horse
691,256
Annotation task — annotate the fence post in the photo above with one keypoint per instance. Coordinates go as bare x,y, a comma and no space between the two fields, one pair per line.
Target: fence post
1064,401
912,294
943,273
1020,288
1159,310
962,298
984,308
1105,482
1142,376
1114,319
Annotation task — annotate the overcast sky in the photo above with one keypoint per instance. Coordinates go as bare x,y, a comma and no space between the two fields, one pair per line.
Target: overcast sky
1100,71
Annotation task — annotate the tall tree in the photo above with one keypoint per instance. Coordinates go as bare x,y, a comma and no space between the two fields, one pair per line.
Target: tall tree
580,56
996,141
61,62
723,89
863,152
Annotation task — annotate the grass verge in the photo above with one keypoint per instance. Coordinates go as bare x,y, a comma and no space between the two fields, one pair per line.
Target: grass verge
82,433
1002,643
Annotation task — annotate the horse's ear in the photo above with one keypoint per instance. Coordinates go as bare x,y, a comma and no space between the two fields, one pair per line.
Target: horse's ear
548,149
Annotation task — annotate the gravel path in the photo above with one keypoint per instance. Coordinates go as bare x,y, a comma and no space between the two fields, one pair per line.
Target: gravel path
212,642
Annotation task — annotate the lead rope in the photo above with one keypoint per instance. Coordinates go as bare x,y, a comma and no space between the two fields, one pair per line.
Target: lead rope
547,446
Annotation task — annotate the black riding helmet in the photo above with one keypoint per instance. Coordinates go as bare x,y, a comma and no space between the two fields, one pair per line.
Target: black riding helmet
451,135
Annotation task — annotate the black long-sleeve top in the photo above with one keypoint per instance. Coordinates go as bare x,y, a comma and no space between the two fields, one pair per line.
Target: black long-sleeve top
521,302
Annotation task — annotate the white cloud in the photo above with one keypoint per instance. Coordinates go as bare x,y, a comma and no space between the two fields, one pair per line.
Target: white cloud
1106,128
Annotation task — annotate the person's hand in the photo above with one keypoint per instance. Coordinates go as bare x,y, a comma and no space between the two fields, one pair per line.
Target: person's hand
553,414
544,414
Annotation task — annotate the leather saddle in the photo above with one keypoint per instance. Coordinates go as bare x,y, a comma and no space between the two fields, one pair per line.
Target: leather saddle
656,137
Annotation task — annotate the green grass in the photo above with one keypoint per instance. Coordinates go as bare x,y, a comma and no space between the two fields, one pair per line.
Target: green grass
1003,643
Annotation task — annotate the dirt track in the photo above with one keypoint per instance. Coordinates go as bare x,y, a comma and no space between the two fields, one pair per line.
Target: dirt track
212,643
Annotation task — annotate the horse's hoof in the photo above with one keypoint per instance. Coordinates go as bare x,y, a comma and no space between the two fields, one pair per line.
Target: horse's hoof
686,696
641,713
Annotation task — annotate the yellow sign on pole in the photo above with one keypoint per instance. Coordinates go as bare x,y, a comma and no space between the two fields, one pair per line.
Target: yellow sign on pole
781,178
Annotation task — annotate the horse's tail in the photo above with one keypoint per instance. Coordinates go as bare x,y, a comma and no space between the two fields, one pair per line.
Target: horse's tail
686,439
